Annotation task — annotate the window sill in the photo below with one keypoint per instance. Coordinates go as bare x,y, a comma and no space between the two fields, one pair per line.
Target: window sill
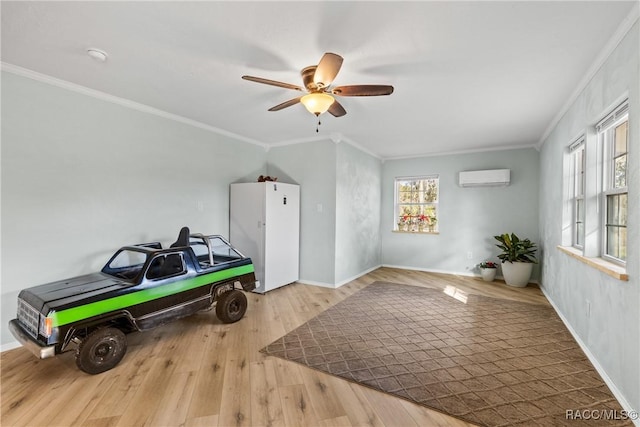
415,232
606,267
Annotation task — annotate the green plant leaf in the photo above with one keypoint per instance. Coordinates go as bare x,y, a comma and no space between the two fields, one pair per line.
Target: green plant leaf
515,249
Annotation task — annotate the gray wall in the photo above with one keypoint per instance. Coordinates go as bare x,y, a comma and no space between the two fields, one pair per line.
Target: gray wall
312,165
358,188
339,208
468,217
81,177
612,331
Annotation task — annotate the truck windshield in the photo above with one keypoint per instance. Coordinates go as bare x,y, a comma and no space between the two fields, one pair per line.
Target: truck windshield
126,264
222,248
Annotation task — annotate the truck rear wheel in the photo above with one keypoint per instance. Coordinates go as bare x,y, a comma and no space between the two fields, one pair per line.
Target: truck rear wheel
231,306
101,350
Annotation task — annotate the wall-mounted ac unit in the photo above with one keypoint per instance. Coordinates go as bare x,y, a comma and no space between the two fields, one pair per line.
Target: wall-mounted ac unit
485,178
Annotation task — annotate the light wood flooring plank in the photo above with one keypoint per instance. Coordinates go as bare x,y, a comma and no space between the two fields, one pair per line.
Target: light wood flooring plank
427,417
145,403
207,393
174,405
324,396
209,421
387,408
287,373
266,409
297,407
359,410
337,422
235,405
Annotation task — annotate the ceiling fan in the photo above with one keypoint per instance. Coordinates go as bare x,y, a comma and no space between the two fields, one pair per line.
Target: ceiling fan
317,81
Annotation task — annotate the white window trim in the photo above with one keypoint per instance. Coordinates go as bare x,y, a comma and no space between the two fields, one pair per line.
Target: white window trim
605,128
574,147
598,166
396,207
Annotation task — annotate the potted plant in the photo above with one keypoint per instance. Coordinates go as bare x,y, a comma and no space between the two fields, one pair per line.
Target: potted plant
488,270
403,222
518,257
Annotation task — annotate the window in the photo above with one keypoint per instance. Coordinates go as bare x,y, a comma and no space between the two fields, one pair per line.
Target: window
164,266
613,135
595,195
126,264
416,204
578,163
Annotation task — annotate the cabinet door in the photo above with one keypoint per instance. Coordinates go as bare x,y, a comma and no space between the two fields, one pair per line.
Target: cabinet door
282,234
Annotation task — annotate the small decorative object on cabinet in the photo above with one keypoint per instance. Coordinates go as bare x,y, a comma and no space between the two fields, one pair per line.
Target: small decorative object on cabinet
488,270
264,220
518,257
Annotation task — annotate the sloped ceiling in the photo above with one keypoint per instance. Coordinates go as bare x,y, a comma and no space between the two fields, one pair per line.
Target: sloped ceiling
467,75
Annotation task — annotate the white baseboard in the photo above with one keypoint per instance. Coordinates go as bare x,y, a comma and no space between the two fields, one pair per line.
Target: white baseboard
338,284
431,270
344,282
454,273
9,346
617,394
314,283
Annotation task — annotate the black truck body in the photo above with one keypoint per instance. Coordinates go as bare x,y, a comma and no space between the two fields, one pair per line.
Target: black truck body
141,287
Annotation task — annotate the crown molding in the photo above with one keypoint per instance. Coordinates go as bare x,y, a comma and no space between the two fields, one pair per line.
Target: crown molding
123,102
460,152
301,141
336,138
614,41
358,146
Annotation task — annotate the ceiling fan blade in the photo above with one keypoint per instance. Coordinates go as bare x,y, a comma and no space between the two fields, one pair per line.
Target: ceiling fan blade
273,83
285,104
337,110
362,90
327,69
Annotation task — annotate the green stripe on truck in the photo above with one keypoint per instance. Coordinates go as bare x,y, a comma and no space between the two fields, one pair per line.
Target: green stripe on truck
75,314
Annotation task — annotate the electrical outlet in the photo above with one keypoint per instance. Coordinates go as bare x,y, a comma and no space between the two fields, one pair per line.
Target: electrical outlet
469,255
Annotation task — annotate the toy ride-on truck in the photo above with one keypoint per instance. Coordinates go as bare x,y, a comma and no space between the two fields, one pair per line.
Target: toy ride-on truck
141,287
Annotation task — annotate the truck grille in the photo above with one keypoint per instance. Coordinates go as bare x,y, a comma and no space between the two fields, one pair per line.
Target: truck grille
29,317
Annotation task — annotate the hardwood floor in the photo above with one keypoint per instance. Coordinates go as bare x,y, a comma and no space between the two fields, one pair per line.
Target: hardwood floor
200,372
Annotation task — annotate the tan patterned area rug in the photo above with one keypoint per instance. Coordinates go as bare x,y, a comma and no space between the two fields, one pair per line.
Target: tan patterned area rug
488,361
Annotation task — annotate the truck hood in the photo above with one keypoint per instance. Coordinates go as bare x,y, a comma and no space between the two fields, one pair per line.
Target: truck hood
63,293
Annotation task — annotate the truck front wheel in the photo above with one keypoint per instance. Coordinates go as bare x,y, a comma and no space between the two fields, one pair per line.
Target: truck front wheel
101,350
231,306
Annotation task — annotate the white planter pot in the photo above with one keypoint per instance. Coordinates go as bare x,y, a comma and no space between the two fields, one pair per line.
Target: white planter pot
517,273
488,274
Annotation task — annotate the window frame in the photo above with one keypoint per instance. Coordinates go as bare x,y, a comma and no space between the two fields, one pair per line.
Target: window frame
607,139
418,226
577,150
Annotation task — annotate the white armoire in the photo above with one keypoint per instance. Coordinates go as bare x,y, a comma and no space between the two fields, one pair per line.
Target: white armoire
264,224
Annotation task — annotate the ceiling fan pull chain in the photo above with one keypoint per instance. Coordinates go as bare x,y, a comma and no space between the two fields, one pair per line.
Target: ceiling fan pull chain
318,125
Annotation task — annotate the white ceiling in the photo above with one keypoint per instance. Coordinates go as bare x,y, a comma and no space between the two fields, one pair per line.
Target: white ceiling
467,75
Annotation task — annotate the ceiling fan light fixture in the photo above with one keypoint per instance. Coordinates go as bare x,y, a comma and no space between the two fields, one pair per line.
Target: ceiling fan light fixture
317,102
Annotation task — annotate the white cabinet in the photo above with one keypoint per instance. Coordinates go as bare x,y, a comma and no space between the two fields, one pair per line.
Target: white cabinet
264,224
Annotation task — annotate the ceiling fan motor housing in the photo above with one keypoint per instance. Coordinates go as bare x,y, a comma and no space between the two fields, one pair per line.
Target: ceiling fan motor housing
307,74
